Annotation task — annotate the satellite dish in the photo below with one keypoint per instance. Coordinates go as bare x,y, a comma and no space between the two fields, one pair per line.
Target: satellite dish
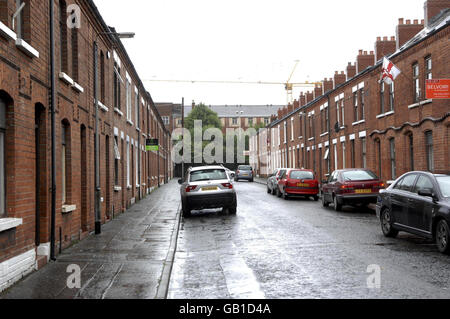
337,127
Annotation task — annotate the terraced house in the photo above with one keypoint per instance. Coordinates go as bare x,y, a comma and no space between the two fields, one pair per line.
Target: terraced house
54,67
354,121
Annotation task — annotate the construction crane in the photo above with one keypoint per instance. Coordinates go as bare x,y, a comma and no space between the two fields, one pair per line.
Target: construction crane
289,87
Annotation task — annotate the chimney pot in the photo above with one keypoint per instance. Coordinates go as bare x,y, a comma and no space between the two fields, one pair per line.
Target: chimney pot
365,52
371,52
392,38
360,52
408,21
422,21
385,38
378,38
416,21
401,21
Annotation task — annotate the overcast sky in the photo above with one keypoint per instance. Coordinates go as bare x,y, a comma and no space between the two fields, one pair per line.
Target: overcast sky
248,40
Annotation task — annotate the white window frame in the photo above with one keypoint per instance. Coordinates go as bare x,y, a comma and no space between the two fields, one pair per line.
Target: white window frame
2,159
136,106
128,89
128,162
137,165
292,129
343,155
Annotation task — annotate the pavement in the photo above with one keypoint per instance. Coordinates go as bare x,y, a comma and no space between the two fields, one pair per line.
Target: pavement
297,249
131,259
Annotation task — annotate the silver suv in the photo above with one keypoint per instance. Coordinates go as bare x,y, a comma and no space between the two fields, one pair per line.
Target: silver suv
207,187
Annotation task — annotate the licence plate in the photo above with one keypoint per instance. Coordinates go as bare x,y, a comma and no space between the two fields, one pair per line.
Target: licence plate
363,191
208,189
302,185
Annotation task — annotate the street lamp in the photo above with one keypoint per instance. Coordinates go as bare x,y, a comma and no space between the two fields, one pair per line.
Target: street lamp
98,222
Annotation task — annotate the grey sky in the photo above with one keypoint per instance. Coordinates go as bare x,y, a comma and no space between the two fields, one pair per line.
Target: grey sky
248,40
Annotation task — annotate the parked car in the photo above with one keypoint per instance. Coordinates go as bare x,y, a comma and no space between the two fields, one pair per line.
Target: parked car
207,187
230,173
353,187
417,203
244,172
298,182
272,181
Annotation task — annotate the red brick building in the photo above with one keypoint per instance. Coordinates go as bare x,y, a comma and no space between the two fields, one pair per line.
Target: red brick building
357,122
127,117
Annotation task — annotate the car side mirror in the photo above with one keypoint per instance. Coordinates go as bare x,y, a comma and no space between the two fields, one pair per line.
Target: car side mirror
426,193
180,181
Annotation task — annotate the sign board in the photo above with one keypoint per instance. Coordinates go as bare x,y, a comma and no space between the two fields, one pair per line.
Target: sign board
152,145
438,89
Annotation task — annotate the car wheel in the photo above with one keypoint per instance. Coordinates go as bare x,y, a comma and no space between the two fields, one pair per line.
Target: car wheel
386,224
273,192
186,211
443,237
316,198
337,206
269,191
324,201
278,192
285,195
232,210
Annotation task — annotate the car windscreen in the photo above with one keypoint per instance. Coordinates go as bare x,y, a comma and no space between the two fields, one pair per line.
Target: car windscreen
444,185
208,175
301,175
245,168
355,176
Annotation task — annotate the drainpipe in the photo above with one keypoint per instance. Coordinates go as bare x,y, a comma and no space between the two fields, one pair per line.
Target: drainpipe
98,224
53,151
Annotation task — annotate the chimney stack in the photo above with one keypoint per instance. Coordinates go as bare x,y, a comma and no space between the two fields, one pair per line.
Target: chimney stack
327,85
309,97
351,70
364,60
433,8
302,99
384,47
406,31
318,91
339,78
280,114
296,104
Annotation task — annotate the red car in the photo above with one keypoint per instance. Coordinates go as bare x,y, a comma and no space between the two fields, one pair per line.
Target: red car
351,187
298,182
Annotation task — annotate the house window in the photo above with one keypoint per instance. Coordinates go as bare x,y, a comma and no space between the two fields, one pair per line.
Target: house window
279,136
391,96
235,121
393,165
337,112
428,67
411,150
65,153
2,159
352,143
102,77
137,165
382,111
362,104
327,119
22,23
364,153
300,127
250,122
128,100
136,106
355,107
311,127
343,113
116,161
63,36
416,82
266,121
128,164
335,157
322,121
285,132
378,148
343,155
429,150
117,91
74,52
292,129
166,120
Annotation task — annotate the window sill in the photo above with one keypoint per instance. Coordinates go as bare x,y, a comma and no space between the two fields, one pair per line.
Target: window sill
117,188
129,187
9,223
324,134
27,49
359,122
311,139
65,78
68,208
118,111
78,88
130,123
138,129
102,107
7,32
420,103
385,114
300,137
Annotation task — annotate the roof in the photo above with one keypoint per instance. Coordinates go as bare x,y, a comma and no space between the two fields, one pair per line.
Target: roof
247,110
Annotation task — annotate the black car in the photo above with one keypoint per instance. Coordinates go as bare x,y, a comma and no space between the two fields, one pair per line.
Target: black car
417,203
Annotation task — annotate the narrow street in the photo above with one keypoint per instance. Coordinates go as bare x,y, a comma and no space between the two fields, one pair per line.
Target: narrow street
298,249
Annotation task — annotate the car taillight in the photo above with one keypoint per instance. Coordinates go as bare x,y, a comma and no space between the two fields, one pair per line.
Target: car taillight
347,188
228,185
380,185
190,188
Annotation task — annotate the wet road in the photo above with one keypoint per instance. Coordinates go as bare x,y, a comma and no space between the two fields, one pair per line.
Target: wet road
298,249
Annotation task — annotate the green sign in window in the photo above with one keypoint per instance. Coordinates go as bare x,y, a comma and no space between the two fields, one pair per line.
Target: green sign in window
152,145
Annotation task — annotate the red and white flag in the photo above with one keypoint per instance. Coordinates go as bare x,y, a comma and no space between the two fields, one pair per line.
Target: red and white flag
389,72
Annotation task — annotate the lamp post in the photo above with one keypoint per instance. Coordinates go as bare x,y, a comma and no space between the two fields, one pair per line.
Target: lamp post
98,223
